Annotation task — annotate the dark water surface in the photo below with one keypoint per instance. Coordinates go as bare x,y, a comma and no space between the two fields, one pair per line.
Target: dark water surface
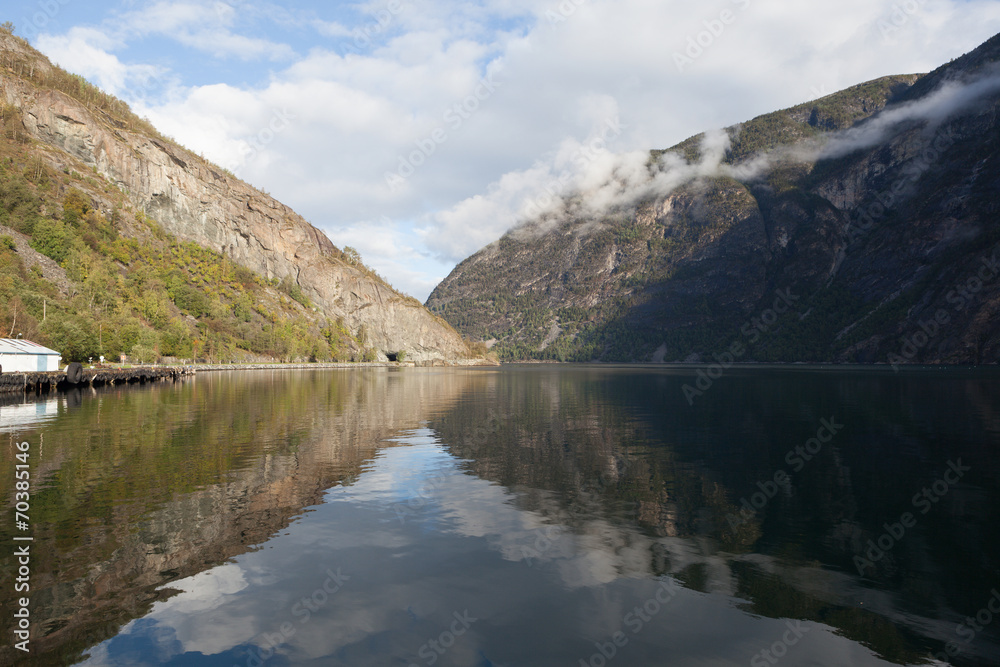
517,516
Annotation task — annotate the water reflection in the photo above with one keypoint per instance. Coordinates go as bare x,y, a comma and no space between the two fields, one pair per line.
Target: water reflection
524,516
619,442
450,585
16,415
137,488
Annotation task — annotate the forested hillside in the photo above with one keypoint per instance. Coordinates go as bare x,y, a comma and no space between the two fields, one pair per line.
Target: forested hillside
89,281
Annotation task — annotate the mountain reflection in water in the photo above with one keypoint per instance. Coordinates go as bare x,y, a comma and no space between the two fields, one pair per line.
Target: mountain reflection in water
521,516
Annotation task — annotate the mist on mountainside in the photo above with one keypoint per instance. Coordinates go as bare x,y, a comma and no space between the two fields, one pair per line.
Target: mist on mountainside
615,181
872,211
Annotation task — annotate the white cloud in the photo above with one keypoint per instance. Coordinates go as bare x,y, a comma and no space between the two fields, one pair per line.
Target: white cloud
359,114
331,28
403,257
203,593
169,17
222,43
88,52
934,108
205,27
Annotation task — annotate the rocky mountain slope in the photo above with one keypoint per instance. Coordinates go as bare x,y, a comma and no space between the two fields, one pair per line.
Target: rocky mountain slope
859,227
194,201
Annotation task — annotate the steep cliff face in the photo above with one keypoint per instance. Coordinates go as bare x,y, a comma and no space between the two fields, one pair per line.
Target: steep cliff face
860,227
196,201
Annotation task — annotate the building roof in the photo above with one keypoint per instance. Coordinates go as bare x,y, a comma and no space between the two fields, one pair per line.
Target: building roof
21,346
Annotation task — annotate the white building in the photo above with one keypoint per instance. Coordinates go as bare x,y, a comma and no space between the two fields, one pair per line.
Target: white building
23,356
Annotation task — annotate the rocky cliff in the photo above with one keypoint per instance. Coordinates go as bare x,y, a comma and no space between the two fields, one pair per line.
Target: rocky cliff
197,201
858,227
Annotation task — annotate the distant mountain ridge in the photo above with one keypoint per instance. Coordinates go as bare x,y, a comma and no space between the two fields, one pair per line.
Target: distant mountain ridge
873,208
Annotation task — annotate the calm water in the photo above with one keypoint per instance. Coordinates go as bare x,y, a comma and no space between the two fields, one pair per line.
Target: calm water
518,516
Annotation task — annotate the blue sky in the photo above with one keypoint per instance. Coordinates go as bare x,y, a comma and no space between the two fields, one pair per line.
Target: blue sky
418,132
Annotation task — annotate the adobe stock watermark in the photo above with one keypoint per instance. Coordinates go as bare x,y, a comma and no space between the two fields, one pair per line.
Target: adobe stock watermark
453,117
545,538
581,158
562,13
779,649
255,145
431,651
752,330
970,628
960,297
382,19
902,14
699,43
923,500
635,620
818,92
796,459
47,10
866,217
419,498
303,610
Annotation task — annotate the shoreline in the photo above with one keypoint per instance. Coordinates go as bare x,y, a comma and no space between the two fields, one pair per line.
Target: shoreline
329,365
758,365
646,365
44,382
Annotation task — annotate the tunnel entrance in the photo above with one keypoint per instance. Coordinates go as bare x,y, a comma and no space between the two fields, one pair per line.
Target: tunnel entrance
393,356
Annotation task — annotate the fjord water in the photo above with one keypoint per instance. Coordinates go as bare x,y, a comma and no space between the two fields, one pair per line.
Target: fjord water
547,515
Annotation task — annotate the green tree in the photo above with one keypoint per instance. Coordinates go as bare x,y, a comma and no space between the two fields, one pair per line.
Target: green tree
74,337
52,239
143,354
191,300
75,207
243,308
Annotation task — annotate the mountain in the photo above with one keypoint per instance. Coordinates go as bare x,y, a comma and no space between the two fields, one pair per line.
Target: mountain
860,227
92,193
